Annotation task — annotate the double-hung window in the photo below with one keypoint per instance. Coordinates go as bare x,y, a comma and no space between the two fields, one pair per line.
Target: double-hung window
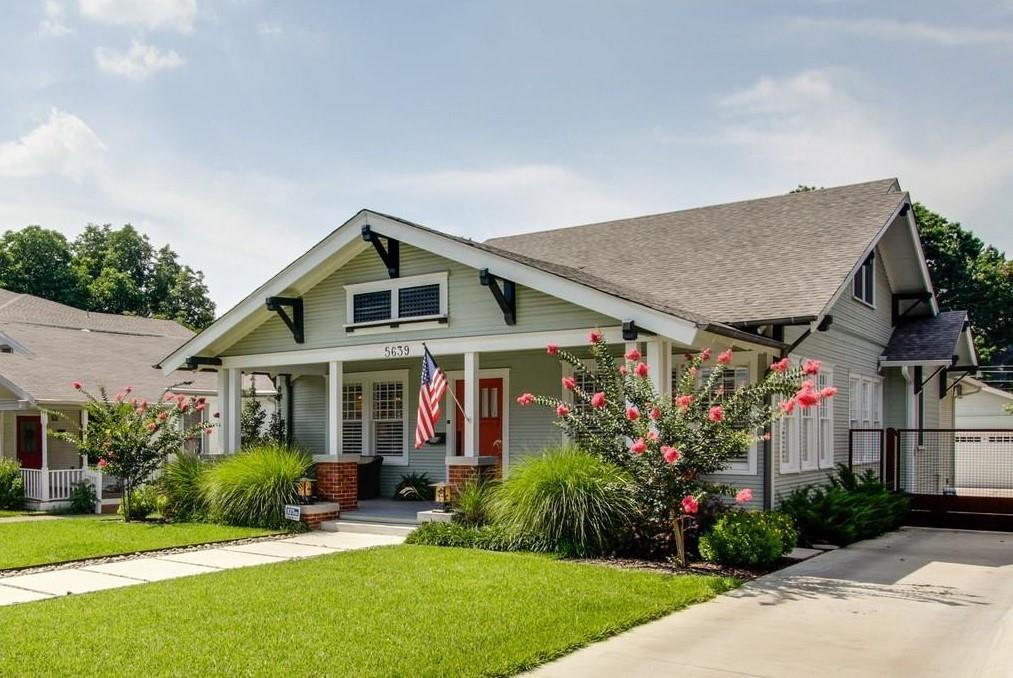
805,437
732,379
391,303
864,286
374,412
865,407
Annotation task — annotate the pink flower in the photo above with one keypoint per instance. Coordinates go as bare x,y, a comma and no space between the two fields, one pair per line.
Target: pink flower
76,385
692,372
200,407
807,397
632,413
118,397
788,406
828,392
716,413
781,366
209,430
562,410
595,336
811,366
653,436
655,413
725,357
670,454
598,400
128,389
766,436
690,505
639,446
182,405
623,370
139,411
569,383
525,399
102,463
705,354
162,416
151,426
683,402
552,349
641,369
744,496
633,354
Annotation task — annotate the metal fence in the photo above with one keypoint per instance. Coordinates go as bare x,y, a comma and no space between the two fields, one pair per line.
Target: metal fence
955,462
866,451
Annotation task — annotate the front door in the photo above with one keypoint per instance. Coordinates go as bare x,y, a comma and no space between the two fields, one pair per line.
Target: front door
490,417
29,431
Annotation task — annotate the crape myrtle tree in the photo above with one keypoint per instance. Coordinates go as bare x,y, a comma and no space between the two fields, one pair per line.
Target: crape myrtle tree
671,445
130,438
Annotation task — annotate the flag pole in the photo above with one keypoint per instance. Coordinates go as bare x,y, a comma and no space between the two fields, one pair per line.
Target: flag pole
450,390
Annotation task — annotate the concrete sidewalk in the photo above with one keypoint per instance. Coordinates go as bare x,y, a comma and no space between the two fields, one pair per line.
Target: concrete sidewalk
41,585
917,602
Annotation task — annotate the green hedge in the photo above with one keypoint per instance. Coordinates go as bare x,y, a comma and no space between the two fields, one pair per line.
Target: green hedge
749,539
486,537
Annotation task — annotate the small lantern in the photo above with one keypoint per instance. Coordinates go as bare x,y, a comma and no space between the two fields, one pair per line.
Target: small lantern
444,493
304,488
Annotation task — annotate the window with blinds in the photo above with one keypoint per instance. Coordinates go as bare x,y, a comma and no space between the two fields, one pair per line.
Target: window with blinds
865,410
732,379
414,298
805,438
863,287
351,419
388,418
373,415
193,417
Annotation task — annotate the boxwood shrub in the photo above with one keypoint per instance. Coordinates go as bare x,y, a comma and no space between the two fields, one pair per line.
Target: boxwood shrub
749,539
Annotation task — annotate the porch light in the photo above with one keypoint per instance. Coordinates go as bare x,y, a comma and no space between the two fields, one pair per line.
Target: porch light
444,494
304,488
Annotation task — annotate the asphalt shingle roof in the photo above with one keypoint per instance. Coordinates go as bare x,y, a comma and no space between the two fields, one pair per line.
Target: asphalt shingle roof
923,339
758,259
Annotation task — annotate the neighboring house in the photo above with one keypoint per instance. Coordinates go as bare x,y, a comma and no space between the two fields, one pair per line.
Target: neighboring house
44,348
980,406
836,275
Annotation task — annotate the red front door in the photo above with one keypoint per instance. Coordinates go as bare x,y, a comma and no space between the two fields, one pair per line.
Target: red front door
490,419
30,442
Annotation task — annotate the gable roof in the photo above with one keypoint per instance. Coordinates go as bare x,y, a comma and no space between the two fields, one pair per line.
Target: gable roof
926,340
775,257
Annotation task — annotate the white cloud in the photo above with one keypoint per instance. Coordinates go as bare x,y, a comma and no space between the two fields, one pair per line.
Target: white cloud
889,29
53,24
63,145
177,15
269,29
137,62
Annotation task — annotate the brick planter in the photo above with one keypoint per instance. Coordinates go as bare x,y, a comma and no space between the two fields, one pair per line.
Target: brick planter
338,481
463,469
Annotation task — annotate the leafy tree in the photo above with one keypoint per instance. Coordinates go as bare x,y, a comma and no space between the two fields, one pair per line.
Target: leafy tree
803,188
37,261
969,275
255,427
114,291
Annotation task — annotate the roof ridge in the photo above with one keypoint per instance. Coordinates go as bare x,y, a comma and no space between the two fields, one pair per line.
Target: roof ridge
76,328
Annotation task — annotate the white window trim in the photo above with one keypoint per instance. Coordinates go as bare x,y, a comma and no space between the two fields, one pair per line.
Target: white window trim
871,260
395,285
566,395
875,414
367,379
817,461
450,408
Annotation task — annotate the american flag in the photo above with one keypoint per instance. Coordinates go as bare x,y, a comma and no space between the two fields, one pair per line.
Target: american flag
434,384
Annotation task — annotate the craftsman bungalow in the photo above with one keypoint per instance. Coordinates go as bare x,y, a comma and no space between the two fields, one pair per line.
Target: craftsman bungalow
836,275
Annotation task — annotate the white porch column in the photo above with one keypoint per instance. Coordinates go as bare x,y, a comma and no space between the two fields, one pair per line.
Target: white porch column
44,424
471,407
335,379
233,410
222,434
659,358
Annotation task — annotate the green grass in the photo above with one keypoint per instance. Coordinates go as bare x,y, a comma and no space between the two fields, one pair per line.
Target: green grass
8,513
53,541
404,610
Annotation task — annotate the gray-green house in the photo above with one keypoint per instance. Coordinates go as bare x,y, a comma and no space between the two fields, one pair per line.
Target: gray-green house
836,275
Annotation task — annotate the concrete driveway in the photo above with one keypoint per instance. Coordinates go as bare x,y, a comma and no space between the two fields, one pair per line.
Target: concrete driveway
918,602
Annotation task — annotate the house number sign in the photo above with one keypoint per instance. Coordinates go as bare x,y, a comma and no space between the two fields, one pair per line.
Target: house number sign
396,351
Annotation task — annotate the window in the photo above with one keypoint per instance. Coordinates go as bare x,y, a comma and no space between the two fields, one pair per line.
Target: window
732,379
865,411
373,415
585,382
805,438
865,282
399,300
194,417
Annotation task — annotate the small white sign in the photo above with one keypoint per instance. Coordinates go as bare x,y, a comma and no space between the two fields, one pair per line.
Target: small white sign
293,512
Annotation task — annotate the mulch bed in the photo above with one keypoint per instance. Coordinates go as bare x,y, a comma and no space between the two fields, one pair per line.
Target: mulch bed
695,567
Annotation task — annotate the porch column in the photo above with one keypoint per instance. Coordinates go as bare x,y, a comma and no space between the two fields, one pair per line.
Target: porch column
659,358
222,436
233,410
335,378
44,425
471,406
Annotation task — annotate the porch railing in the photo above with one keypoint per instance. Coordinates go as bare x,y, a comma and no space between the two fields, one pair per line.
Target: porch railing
50,484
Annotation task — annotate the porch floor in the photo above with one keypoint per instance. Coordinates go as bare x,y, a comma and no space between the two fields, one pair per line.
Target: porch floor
387,511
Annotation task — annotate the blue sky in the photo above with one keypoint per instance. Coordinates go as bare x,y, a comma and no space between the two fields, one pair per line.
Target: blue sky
242,132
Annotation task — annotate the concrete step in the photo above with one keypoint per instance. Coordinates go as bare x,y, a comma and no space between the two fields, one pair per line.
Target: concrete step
362,527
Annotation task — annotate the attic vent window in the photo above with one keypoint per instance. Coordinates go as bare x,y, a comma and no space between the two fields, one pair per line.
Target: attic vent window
865,282
397,301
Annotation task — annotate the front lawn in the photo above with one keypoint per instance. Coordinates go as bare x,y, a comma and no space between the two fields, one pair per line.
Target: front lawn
53,541
10,513
404,610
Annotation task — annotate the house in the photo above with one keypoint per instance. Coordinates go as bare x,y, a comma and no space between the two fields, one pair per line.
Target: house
45,347
836,275
980,406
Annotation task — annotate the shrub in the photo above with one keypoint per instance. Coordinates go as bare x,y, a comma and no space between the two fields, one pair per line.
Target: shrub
473,503
181,483
748,539
252,488
851,508
140,502
573,501
12,489
414,487
83,498
486,537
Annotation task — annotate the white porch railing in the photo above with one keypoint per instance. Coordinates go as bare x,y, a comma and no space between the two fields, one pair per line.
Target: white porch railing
50,484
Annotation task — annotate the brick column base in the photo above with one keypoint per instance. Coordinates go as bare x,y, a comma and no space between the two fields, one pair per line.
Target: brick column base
459,472
339,481
313,520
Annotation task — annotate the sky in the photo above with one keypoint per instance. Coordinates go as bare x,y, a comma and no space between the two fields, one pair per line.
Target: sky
242,132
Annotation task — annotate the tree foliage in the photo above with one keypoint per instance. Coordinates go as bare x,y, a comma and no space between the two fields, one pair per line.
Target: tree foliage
967,274
107,270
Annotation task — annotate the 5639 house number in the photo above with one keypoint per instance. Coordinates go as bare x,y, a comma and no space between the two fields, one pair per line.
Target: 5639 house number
396,351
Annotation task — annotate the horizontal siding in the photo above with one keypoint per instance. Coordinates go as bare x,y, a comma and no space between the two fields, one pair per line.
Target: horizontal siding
309,414
472,309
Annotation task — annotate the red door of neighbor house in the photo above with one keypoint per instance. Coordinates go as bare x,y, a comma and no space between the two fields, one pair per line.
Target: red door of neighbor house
30,442
490,419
